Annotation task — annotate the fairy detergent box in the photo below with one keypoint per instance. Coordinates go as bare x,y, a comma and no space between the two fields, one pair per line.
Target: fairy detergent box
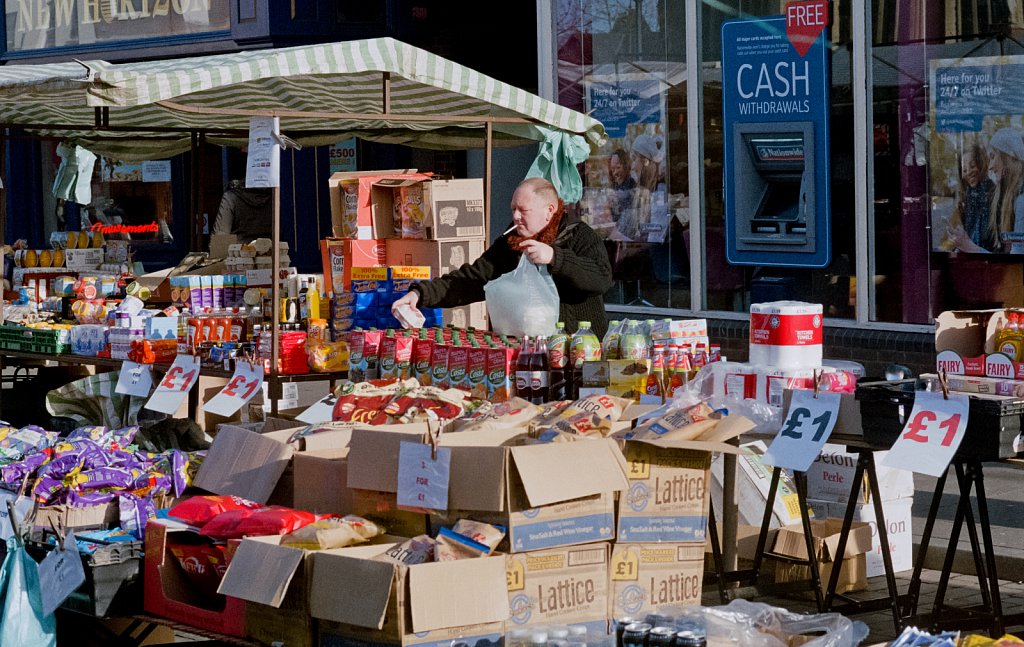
977,343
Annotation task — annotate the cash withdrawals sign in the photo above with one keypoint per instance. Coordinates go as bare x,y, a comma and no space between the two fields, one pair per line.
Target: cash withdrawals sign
775,74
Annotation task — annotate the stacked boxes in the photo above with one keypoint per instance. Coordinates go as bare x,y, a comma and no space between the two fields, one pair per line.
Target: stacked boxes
371,291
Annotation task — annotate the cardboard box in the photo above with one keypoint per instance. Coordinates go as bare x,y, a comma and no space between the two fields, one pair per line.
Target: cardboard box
219,244
351,210
982,385
899,523
648,577
473,315
382,602
194,264
965,343
274,581
790,542
441,256
322,478
451,209
752,480
546,495
167,593
382,508
830,477
338,256
669,484
560,586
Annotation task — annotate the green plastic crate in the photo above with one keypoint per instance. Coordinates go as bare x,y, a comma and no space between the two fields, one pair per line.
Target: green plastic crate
33,340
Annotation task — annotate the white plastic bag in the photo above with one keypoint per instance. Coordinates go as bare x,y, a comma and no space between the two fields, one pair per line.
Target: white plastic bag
524,301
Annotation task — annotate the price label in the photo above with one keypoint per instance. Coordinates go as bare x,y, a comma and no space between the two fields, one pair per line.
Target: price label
321,411
177,382
933,432
422,479
60,573
805,430
135,379
243,385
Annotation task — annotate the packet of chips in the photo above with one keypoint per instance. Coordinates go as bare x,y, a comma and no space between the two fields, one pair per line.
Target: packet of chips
452,546
417,550
679,424
516,412
333,533
489,535
592,414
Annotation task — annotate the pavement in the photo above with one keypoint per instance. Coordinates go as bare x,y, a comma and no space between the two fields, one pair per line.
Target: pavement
1004,490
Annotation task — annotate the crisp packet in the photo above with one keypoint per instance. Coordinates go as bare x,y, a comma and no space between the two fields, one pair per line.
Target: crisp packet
678,424
13,473
105,477
606,407
333,533
516,412
95,433
484,533
85,499
179,471
135,512
47,489
417,550
122,438
452,546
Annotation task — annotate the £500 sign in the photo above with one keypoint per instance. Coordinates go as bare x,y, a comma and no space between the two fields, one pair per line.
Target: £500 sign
932,434
177,382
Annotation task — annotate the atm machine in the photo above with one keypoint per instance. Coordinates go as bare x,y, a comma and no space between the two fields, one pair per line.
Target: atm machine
774,189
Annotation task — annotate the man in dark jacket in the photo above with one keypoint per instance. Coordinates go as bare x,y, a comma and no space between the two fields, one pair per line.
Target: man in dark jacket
247,213
575,256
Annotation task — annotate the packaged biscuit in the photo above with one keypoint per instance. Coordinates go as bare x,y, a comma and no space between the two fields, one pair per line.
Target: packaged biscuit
484,533
679,424
409,200
452,546
333,533
417,550
586,415
516,412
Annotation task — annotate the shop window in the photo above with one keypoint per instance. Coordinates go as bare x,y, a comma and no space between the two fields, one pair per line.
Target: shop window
132,201
623,61
948,158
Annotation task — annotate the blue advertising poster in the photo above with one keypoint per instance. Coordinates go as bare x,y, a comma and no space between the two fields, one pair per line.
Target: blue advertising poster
775,109
626,200
975,154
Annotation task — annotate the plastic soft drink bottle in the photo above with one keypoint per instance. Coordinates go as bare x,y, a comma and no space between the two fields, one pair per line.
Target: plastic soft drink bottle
610,343
584,347
539,378
633,343
558,360
523,367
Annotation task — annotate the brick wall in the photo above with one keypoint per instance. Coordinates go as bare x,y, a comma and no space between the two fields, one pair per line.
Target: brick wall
875,349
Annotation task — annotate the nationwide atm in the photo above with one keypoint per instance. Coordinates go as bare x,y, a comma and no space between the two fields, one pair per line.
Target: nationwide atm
774,186
775,131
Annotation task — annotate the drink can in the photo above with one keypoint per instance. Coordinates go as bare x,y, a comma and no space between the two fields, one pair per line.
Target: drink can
620,627
661,636
635,635
687,638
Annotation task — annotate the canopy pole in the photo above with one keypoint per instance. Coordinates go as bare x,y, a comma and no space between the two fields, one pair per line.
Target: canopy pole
386,99
3,191
488,149
193,198
275,306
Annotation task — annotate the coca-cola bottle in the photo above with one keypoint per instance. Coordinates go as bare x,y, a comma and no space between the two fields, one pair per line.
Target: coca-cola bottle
539,377
523,362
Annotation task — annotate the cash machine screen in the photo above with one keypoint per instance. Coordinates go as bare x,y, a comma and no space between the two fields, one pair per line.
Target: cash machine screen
778,152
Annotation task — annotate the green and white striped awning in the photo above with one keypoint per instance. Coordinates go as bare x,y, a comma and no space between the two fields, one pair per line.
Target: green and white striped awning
379,89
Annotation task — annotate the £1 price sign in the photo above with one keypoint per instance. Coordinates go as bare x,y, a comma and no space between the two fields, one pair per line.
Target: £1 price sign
805,430
932,434
178,381
321,411
246,382
422,477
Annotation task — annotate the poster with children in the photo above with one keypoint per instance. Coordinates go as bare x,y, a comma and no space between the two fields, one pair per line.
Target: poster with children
976,154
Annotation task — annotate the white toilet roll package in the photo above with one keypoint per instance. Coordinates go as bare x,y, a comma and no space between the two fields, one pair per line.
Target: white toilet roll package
786,334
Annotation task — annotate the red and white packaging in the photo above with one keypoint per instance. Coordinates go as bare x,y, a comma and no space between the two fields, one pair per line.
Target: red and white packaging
786,334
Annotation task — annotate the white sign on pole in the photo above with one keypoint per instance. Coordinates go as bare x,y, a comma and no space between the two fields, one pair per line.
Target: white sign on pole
932,434
60,573
244,384
177,382
134,379
263,165
321,411
805,430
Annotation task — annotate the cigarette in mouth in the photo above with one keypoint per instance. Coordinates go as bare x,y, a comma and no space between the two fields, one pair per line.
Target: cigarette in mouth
512,228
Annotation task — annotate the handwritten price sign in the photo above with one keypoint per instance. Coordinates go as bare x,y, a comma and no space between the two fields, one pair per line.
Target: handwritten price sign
244,384
321,411
60,573
135,379
422,479
805,430
933,432
177,382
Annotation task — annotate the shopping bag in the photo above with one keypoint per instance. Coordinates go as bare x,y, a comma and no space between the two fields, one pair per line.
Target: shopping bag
23,622
523,301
